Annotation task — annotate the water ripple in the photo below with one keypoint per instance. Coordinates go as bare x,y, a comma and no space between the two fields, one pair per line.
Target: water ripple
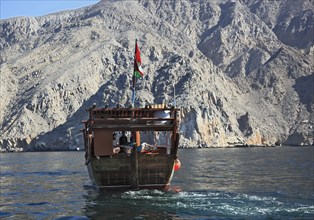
212,184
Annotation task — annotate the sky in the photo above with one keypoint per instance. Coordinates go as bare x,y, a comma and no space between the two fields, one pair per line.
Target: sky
14,8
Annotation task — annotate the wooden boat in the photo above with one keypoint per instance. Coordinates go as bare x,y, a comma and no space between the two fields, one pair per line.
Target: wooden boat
145,155
132,165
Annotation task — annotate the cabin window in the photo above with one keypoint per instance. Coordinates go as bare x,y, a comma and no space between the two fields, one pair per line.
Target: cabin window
145,141
162,138
158,139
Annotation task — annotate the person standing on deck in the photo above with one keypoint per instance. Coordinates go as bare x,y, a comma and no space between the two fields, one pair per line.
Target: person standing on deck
123,140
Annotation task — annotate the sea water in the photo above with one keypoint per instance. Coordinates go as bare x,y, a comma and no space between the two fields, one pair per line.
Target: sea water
235,183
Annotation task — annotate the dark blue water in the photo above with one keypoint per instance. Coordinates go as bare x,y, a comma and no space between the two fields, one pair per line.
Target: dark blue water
239,183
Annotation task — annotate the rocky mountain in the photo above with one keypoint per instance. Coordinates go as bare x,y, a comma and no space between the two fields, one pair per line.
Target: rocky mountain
242,70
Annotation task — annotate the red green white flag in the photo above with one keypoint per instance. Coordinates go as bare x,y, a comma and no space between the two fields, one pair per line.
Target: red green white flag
138,71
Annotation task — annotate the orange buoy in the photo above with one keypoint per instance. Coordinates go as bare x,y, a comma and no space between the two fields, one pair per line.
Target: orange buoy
177,165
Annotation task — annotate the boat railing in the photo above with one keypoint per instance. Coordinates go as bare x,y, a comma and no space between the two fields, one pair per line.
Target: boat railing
133,119
130,112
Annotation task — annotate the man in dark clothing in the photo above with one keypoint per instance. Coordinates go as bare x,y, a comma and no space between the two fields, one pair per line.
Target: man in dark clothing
123,139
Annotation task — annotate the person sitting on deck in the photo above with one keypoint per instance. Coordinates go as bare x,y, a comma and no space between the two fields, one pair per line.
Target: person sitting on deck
123,140
147,147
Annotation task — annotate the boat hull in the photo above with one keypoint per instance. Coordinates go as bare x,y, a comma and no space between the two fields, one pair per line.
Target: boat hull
153,171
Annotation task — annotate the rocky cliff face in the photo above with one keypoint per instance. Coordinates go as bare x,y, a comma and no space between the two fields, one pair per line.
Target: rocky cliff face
242,70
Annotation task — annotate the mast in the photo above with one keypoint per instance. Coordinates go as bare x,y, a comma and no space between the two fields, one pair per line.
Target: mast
174,95
134,77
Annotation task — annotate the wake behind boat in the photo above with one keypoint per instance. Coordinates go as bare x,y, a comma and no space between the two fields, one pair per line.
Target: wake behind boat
132,147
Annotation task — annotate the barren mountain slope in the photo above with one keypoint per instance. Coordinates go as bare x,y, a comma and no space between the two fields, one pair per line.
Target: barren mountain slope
237,79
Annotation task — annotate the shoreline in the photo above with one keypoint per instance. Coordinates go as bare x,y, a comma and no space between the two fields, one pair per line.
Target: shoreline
180,147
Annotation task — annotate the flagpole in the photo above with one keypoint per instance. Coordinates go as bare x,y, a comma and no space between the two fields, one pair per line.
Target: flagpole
174,95
133,97
134,78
